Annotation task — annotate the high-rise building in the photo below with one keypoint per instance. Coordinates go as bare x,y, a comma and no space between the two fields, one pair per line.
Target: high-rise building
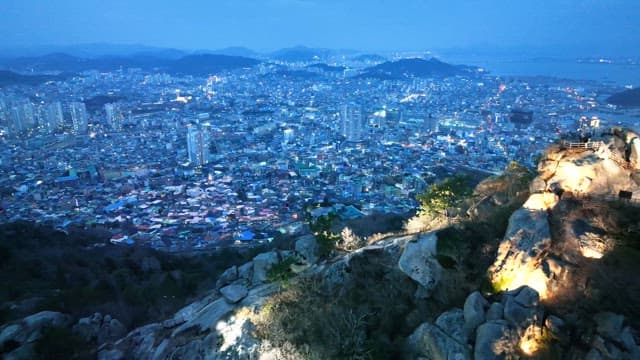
115,117
288,135
198,139
52,116
79,117
22,117
352,122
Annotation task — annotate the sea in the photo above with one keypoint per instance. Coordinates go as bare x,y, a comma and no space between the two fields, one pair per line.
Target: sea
617,73
615,76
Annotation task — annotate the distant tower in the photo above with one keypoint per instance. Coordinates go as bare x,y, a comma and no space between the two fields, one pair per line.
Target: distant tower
53,117
79,117
352,122
114,116
198,144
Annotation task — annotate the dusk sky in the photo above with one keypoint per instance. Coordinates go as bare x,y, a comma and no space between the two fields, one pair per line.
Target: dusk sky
602,25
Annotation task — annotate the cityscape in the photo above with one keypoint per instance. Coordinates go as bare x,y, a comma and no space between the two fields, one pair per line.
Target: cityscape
180,163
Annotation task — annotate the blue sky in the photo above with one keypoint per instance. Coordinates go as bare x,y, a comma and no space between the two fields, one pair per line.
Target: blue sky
604,25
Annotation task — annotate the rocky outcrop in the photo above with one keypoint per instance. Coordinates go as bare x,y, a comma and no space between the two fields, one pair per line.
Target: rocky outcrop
208,328
24,333
99,328
613,340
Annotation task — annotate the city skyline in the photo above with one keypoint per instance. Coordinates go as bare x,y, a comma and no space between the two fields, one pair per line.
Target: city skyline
543,26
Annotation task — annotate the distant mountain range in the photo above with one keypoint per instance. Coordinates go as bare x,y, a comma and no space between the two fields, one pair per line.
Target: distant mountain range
415,67
626,98
232,51
196,65
205,62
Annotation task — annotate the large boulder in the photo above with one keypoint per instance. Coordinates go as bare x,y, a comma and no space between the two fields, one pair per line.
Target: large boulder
234,293
519,316
46,318
609,324
307,247
431,342
88,327
110,330
228,276
453,324
418,262
495,339
261,265
495,311
474,310
29,329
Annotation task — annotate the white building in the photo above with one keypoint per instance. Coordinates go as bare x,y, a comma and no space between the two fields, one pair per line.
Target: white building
198,138
53,117
79,117
352,122
114,116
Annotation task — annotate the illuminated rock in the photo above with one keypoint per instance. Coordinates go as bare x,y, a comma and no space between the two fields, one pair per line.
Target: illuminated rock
525,242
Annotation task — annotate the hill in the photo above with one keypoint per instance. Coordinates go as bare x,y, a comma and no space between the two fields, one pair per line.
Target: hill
414,67
626,98
300,54
327,68
231,51
196,65
11,78
371,58
202,65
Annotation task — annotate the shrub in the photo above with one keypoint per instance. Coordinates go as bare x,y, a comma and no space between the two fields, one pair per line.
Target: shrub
350,241
326,239
447,194
282,270
61,343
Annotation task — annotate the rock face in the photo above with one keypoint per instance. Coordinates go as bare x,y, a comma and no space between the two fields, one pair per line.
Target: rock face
418,262
525,243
